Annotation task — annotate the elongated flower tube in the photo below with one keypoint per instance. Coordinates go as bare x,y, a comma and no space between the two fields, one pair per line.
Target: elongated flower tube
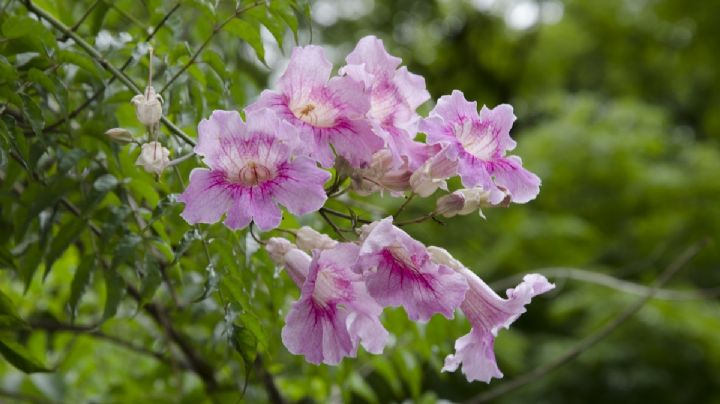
488,313
335,313
398,272
309,239
287,255
479,143
395,94
325,111
251,170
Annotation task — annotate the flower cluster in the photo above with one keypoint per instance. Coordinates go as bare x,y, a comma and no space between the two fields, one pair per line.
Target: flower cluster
345,286
363,123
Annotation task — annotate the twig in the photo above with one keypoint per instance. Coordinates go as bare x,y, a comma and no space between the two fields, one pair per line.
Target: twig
274,395
344,215
127,81
337,230
216,29
404,204
598,336
92,331
429,216
102,88
81,20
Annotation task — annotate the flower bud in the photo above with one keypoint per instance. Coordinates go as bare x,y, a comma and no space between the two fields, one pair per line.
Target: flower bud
308,239
277,247
449,205
153,157
120,135
464,202
148,107
380,176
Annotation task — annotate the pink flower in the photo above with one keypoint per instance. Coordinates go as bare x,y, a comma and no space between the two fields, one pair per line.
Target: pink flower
251,170
398,272
487,312
324,111
395,94
479,143
335,312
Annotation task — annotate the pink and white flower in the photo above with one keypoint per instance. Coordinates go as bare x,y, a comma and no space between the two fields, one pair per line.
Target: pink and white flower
488,313
479,142
398,271
335,313
325,111
395,94
251,171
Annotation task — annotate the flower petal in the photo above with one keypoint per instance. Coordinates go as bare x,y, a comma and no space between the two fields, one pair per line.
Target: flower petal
300,186
206,197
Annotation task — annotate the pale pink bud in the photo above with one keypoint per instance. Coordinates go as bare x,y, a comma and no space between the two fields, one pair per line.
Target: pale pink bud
153,157
148,107
463,202
120,135
308,239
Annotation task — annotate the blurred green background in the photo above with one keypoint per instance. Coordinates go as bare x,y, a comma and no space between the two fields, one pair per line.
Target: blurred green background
618,106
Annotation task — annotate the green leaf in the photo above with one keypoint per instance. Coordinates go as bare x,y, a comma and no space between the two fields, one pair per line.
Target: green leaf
67,235
105,183
250,33
37,76
151,281
359,386
20,25
261,15
9,319
80,281
33,113
20,357
114,290
284,11
81,60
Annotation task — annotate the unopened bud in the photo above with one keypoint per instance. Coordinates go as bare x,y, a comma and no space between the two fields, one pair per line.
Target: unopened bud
450,204
120,135
154,158
464,202
148,107
308,239
277,247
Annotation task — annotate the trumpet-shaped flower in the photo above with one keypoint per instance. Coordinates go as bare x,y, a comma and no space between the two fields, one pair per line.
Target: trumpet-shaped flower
398,272
488,313
251,170
334,313
479,143
395,94
325,111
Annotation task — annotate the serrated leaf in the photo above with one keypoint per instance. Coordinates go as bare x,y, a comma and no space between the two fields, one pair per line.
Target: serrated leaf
248,32
80,281
19,356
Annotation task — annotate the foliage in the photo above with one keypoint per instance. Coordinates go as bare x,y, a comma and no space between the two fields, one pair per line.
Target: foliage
111,296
